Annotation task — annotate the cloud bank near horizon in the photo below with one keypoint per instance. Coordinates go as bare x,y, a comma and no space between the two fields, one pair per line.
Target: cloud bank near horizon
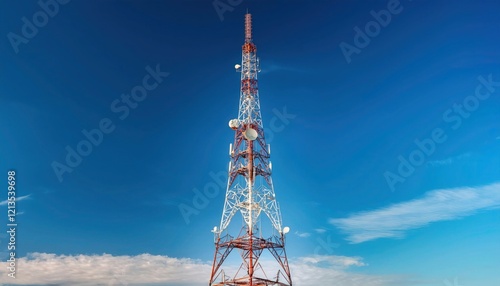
149,270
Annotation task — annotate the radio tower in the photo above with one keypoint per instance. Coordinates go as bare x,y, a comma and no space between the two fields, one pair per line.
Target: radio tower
250,192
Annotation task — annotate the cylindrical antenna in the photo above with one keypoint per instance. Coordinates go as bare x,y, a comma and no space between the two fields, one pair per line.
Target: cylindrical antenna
248,27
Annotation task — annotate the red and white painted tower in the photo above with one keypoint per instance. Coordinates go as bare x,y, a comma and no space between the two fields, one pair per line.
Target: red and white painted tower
250,192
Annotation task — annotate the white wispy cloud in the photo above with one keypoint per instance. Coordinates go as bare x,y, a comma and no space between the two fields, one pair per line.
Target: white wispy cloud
149,270
449,160
302,234
331,270
320,230
437,205
2,203
333,260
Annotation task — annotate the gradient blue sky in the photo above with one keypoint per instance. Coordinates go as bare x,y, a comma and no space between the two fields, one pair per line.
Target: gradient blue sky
352,122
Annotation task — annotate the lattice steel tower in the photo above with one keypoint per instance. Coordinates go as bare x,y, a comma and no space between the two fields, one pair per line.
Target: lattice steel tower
250,192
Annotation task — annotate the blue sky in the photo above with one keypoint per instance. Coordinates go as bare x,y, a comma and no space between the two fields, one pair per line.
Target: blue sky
386,158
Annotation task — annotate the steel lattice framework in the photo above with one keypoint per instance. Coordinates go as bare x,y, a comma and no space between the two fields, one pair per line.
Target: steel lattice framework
250,189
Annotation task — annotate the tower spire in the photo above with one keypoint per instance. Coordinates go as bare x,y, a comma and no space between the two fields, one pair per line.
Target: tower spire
250,191
248,27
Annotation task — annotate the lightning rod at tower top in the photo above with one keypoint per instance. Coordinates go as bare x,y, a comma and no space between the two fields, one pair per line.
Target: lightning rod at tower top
250,192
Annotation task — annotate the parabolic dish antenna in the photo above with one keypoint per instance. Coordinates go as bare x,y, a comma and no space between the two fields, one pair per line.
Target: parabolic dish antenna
234,124
250,134
286,230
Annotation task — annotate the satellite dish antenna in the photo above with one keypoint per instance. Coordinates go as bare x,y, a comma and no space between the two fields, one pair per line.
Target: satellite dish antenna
286,230
215,229
234,124
237,66
250,134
